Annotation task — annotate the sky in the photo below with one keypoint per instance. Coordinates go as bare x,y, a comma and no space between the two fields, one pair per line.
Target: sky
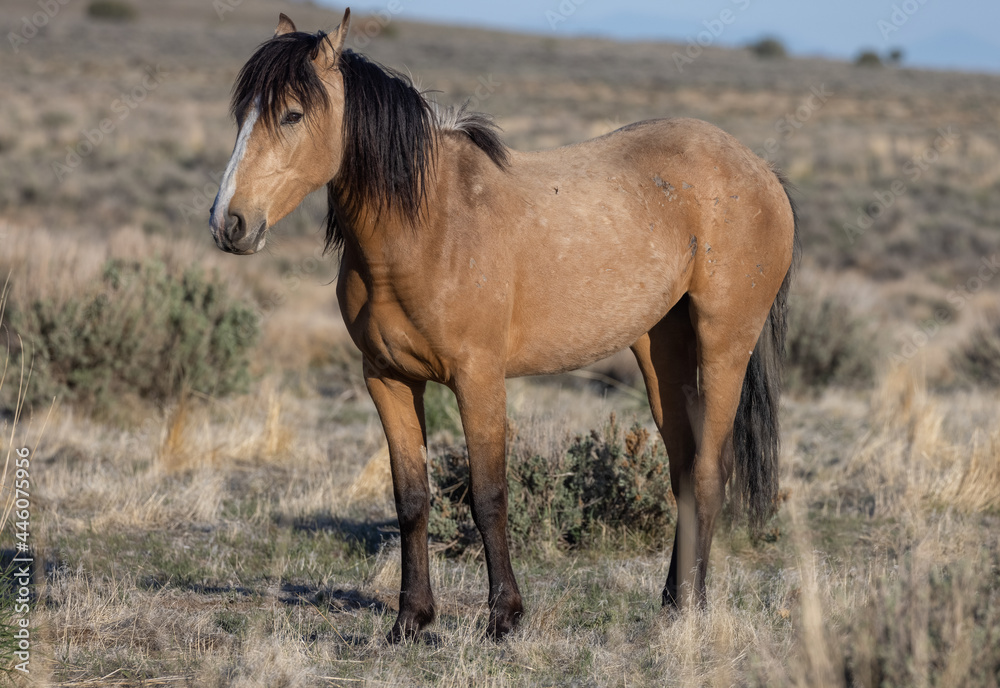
953,34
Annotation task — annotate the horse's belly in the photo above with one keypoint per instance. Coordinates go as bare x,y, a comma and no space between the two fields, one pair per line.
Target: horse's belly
589,319
604,267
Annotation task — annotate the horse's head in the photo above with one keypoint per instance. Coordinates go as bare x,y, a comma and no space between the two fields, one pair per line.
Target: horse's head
288,103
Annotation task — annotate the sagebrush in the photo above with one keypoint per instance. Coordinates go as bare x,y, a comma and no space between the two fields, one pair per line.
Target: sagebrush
828,343
113,10
978,361
139,331
609,479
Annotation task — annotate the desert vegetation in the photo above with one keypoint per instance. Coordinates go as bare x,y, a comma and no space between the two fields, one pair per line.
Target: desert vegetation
211,494
112,10
139,331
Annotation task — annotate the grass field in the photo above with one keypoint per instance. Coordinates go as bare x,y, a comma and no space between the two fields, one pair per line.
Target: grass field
185,536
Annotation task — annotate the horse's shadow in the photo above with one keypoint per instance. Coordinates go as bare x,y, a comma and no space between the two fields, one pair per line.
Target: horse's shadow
336,599
333,601
370,535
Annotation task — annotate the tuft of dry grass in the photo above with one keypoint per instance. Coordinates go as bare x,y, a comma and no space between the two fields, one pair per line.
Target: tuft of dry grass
374,482
974,483
176,450
908,460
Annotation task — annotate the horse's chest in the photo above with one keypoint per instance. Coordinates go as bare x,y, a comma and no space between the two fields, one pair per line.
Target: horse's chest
389,340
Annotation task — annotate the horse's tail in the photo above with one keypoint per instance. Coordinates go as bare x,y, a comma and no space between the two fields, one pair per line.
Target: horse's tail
755,432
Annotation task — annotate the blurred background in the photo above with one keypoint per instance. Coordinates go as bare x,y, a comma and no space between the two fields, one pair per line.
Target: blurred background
229,384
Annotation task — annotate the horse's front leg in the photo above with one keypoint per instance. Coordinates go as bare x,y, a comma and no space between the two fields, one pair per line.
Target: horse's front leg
482,402
400,405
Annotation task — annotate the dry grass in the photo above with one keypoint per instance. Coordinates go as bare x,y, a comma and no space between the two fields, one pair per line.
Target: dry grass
259,562
908,461
374,482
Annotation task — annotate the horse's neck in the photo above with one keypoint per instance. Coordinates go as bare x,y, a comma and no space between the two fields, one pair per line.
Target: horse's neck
380,237
367,236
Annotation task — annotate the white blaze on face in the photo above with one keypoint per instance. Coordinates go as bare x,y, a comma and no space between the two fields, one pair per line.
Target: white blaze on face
220,209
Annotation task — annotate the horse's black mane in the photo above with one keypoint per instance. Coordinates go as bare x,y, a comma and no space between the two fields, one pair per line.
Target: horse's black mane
389,128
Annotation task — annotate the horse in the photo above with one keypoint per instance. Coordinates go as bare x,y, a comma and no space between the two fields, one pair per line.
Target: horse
465,262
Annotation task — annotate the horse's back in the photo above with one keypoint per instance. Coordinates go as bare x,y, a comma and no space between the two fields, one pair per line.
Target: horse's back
677,179
622,226
701,146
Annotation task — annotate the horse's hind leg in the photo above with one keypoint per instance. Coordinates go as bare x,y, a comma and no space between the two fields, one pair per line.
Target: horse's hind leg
400,405
727,330
668,359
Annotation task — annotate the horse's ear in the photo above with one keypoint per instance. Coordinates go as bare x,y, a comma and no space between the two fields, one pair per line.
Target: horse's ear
331,47
285,25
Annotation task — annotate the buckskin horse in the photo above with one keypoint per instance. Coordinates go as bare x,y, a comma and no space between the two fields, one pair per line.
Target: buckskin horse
465,262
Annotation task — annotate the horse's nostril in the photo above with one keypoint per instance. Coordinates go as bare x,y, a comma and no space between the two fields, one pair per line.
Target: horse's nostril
234,226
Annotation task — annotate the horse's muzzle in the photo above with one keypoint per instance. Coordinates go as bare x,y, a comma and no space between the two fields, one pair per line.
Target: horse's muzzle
240,237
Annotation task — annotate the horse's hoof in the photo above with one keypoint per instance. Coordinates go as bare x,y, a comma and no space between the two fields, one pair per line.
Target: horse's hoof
401,633
408,627
670,598
502,624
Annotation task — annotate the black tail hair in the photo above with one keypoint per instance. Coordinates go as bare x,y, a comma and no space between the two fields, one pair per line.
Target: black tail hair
756,439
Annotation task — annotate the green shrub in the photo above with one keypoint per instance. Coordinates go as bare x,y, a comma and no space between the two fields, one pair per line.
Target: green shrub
606,480
828,343
868,58
768,47
978,361
140,331
114,10
441,411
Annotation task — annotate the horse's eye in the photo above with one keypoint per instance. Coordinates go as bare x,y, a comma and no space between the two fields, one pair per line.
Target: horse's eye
292,118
